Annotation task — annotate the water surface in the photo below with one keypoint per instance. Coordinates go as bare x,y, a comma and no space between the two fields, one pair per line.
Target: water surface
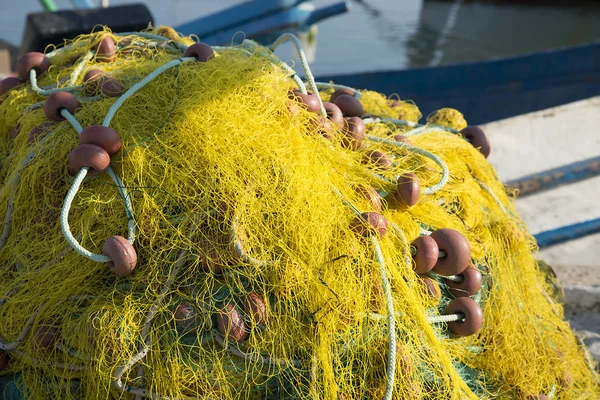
394,34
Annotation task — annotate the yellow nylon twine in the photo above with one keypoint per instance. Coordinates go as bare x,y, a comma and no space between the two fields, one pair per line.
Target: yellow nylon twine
215,155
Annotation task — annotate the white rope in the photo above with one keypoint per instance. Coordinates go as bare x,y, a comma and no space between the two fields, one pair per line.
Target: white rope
303,61
445,318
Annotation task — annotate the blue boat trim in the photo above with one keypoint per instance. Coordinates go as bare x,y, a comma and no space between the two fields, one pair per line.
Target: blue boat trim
550,179
235,15
270,26
567,233
327,12
492,90
259,18
83,4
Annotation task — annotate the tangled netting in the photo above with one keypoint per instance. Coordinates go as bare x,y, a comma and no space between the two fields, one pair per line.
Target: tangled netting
279,253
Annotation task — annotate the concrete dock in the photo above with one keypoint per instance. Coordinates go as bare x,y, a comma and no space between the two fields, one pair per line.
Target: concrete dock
540,141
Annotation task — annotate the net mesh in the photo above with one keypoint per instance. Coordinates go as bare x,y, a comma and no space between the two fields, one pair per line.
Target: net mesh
250,281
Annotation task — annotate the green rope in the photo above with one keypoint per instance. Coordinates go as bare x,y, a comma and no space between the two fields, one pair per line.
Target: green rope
303,61
391,371
48,92
391,359
424,153
132,90
48,5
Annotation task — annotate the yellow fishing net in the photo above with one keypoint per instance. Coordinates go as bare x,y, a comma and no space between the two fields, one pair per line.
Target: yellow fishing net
256,275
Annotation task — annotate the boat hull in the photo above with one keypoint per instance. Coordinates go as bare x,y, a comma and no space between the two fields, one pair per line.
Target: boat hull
496,89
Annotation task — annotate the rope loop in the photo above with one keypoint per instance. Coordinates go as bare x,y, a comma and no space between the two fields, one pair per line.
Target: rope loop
445,174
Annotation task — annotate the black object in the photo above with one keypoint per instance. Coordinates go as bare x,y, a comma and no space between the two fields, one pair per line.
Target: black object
45,28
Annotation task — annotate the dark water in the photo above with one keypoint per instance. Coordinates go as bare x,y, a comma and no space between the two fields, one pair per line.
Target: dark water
394,34
452,32
405,34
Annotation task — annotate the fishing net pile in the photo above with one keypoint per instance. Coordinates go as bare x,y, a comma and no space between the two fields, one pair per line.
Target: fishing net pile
190,222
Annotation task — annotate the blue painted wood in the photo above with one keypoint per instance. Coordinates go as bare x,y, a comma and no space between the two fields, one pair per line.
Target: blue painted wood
496,89
292,19
327,12
550,179
234,16
83,4
567,233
